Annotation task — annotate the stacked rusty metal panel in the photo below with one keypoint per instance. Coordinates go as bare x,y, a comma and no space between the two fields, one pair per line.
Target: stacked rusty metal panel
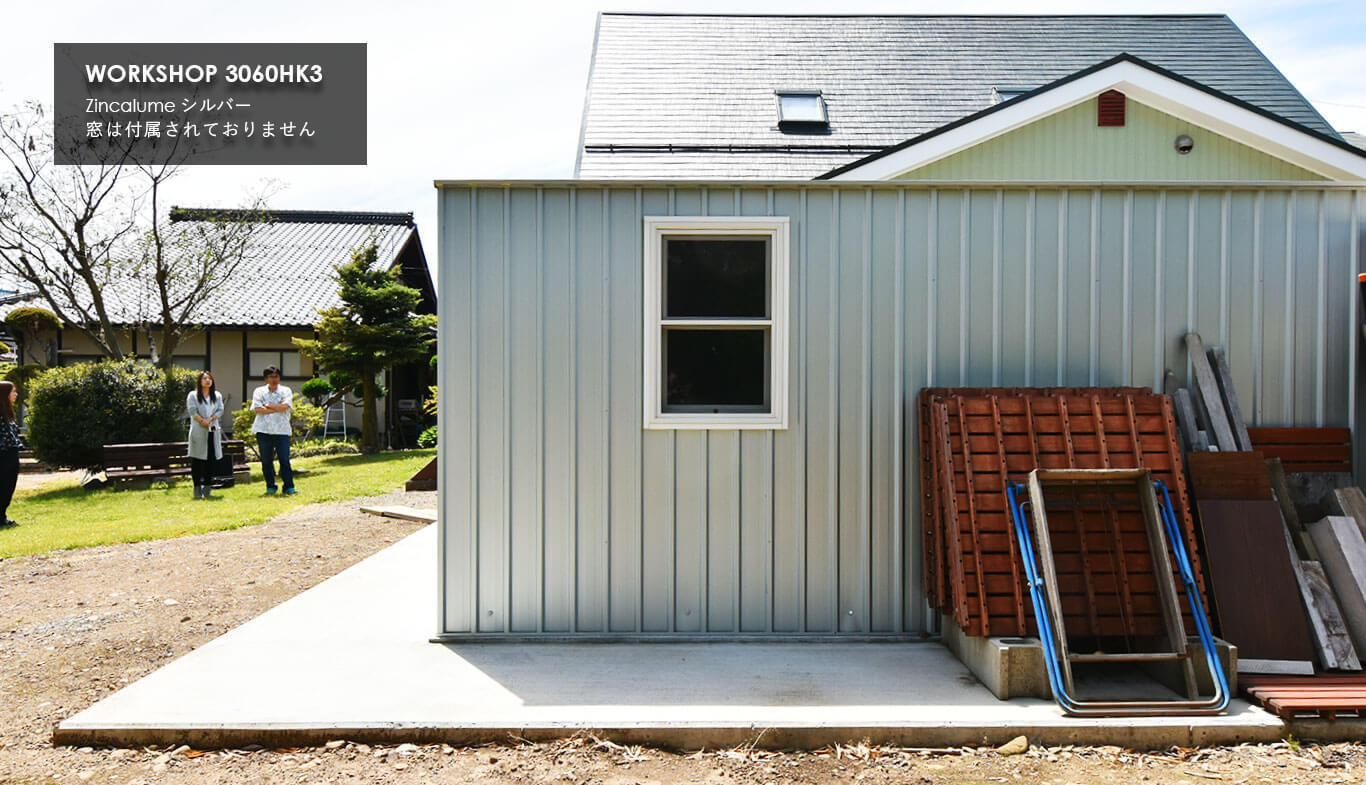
975,440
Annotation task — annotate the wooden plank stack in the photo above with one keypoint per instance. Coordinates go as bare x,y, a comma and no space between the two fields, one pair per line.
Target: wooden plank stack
1329,696
1250,465
976,440
1306,449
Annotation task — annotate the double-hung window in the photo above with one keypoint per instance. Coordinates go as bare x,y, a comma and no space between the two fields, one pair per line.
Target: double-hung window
716,322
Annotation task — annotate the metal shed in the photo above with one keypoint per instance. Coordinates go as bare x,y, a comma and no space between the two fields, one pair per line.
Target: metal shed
562,515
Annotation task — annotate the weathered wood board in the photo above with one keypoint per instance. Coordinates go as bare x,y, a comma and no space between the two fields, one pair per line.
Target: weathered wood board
1281,488
402,512
1208,388
1343,553
1349,502
1235,412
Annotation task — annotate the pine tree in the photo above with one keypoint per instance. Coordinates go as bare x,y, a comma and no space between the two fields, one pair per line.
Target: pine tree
375,328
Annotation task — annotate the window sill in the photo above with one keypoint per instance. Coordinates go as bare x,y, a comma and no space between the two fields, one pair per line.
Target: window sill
715,422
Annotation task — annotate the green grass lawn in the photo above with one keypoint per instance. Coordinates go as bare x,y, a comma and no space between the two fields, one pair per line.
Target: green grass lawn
62,515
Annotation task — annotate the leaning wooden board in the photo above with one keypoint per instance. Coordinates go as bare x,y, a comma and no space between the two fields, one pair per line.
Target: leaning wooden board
1256,596
1343,553
1229,475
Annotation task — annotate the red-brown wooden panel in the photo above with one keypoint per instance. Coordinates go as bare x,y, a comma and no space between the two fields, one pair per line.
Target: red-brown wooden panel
1306,449
1300,435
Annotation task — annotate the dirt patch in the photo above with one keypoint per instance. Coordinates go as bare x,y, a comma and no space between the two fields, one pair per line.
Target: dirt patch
31,480
78,625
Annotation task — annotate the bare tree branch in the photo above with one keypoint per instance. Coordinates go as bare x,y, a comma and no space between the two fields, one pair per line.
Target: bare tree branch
95,245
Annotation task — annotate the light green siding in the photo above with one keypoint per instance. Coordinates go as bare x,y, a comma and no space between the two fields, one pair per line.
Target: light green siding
1069,147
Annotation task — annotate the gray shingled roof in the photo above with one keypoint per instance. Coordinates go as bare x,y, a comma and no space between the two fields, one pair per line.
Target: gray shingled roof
702,83
290,276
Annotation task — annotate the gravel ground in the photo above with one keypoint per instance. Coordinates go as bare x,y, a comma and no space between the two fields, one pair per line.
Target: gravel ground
77,625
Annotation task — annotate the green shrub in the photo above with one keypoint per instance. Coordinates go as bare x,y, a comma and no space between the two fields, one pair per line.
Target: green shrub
35,319
315,447
430,405
427,438
75,410
316,391
305,418
341,381
23,377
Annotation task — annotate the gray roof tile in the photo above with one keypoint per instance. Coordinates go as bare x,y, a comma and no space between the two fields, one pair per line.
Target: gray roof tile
701,80
288,279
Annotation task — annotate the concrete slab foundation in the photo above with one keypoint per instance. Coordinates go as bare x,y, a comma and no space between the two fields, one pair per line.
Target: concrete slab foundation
351,658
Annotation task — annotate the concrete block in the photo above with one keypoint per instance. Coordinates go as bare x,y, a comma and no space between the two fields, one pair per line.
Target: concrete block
1008,667
1014,667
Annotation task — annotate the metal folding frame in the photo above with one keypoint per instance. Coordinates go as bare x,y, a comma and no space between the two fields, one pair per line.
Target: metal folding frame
1163,532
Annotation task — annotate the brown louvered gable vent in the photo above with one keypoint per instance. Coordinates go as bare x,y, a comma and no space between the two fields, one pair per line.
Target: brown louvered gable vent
1110,109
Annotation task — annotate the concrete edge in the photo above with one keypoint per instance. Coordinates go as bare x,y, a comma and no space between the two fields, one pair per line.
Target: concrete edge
689,638
1141,737
1327,731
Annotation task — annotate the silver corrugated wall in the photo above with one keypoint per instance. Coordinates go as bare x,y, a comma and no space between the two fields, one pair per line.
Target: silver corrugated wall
560,514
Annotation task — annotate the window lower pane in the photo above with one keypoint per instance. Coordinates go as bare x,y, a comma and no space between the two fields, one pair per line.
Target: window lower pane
716,370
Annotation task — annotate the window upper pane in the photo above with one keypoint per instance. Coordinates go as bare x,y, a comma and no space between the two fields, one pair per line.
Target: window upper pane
716,370
289,364
715,278
259,361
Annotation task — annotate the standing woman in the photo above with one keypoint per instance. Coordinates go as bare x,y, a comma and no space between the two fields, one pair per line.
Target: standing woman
9,450
205,407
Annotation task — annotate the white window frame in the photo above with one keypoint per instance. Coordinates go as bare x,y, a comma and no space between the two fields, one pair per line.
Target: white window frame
823,120
777,230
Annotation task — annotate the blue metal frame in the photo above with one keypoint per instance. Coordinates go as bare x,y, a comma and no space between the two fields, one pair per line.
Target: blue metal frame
1048,636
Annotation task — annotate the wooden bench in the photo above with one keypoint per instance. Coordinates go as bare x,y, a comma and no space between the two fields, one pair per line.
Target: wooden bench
161,460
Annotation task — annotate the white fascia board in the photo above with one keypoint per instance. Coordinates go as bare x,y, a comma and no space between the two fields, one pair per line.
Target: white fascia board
1147,87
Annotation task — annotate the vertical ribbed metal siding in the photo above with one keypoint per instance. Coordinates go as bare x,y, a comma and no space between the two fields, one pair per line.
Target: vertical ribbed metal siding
560,514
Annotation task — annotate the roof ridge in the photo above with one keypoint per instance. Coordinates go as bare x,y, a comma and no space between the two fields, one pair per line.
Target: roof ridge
292,216
914,16
1123,57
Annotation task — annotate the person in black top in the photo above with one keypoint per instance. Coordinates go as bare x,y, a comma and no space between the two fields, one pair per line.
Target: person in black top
9,450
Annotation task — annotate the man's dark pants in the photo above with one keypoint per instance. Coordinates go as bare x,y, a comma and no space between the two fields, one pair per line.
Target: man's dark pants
270,445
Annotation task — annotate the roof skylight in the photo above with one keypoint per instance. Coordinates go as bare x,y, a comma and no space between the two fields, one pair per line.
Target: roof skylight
801,109
1004,94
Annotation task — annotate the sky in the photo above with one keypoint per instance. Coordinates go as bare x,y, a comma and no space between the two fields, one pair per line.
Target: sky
461,90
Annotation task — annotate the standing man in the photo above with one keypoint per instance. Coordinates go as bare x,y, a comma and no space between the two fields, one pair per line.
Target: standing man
272,403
